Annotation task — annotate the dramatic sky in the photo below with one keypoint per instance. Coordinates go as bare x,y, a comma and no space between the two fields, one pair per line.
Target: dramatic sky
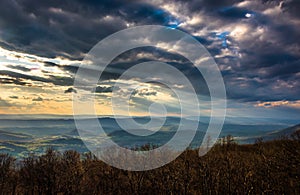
255,43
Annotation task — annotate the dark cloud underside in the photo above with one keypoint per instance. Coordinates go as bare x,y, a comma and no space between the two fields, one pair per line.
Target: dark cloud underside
262,63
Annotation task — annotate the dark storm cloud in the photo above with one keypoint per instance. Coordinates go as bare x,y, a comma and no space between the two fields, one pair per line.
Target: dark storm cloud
15,81
255,89
148,93
19,67
51,64
39,27
291,7
233,12
209,5
130,58
38,99
146,14
144,54
104,89
268,68
14,97
69,28
56,80
283,70
268,62
51,28
72,69
70,90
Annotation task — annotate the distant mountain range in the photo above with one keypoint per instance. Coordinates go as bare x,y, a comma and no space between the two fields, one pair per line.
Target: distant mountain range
10,136
20,137
283,133
204,119
276,134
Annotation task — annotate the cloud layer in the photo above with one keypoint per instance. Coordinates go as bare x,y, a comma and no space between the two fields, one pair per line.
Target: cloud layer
255,43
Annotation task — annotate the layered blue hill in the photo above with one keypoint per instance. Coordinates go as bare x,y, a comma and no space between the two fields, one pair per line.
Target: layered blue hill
20,137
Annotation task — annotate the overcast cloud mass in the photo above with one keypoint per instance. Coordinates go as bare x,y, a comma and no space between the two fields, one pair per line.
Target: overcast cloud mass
255,44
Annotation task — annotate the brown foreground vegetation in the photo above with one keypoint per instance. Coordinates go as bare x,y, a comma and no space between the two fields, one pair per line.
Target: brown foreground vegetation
264,167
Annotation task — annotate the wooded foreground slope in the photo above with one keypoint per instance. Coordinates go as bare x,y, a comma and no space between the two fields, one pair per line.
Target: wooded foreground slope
264,167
